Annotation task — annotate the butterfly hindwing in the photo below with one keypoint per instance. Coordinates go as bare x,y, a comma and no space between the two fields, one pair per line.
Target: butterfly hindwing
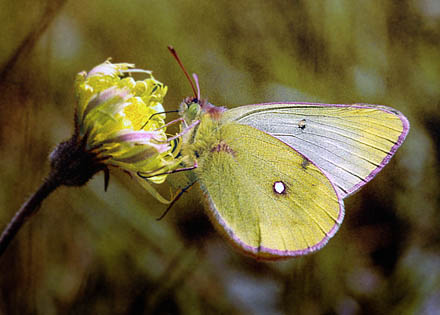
271,201
350,143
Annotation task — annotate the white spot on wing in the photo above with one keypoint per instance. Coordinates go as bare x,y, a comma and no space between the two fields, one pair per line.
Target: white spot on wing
279,187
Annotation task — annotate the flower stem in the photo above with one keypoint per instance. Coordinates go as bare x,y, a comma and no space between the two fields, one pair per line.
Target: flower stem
29,208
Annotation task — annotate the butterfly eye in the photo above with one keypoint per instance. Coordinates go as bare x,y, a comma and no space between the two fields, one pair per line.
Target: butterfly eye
279,188
193,110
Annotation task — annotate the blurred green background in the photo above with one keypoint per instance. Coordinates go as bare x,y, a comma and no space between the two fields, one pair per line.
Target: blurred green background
93,252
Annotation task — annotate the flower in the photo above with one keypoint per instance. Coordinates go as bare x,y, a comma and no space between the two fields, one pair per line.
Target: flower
118,122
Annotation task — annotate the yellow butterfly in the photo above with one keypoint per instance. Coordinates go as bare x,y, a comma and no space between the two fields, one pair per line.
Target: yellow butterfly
275,175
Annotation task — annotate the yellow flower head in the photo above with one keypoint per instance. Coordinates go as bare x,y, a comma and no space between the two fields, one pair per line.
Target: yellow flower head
118,119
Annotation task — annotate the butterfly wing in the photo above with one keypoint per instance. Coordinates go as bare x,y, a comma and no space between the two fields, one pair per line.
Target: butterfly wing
268,199
350,143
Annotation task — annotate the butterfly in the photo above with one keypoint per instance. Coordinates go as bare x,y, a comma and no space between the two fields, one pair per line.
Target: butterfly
274,175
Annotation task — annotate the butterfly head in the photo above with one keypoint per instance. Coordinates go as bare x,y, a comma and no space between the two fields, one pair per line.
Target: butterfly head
192,109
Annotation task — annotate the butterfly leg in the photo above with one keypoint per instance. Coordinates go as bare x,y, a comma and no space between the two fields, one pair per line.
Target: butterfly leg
144,176
170,123
177,197
166,112
195,123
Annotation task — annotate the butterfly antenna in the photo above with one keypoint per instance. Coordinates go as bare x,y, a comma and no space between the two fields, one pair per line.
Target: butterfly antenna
174,53
196,80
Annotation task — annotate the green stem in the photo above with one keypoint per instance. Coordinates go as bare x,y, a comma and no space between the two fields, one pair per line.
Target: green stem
29,208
